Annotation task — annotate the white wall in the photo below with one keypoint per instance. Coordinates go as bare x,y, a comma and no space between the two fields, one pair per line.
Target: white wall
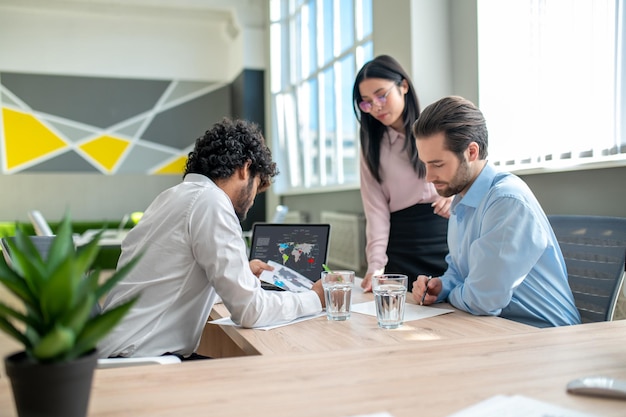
418,34
87,197
118,42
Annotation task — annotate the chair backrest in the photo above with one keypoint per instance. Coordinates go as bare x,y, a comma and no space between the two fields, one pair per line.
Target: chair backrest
42,243
594,248
42,228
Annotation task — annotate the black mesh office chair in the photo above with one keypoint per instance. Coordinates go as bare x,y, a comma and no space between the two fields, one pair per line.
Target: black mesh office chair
594,248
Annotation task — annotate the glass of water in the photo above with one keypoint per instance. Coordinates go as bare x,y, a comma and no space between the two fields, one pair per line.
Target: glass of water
390,298
338,293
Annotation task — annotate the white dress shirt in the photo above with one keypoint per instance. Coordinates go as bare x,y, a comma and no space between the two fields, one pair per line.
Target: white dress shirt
193,253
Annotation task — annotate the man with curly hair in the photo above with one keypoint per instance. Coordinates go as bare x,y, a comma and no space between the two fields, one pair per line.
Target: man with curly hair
194,253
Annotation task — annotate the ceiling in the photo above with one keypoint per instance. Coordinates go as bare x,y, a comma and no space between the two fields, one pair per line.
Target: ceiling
237,14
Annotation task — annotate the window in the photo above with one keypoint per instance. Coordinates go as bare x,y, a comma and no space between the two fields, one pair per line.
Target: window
317,46
551,82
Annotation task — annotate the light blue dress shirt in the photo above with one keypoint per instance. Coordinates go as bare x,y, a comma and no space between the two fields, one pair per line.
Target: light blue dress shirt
504,259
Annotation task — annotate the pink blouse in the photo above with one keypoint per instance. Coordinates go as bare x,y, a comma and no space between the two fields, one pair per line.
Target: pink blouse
400,188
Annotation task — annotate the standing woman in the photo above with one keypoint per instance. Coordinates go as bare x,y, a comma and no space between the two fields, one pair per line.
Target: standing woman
406,220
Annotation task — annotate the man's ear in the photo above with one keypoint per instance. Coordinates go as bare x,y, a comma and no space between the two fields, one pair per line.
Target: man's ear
473,152
244,171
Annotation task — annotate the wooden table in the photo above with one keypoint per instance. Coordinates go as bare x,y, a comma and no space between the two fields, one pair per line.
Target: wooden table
430,379
7,346
360,330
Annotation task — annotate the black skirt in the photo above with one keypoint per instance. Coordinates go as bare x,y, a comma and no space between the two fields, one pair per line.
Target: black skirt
417,243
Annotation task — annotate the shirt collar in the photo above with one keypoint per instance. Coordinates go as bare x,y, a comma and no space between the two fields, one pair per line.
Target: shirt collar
394,135
196,178
478,189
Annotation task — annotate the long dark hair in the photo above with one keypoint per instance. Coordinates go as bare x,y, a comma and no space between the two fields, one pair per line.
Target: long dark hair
371,132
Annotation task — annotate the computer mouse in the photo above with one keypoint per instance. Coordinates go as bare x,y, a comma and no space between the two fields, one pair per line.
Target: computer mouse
600,386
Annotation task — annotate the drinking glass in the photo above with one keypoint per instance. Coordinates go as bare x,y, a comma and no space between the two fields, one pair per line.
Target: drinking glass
338,293
390,298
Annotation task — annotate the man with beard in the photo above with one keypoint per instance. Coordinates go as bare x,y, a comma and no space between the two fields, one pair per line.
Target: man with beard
193,253
504,259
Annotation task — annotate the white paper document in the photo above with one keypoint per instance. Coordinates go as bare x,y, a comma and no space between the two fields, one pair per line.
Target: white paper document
226,321
286,278
517,406
411,311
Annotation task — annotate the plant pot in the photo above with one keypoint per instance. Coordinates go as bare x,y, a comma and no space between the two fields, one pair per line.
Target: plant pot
51,390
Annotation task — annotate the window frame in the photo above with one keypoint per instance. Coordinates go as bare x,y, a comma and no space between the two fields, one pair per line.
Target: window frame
315,151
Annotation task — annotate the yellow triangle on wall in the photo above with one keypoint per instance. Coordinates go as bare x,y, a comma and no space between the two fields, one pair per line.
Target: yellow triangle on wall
26,138
106,150
175,167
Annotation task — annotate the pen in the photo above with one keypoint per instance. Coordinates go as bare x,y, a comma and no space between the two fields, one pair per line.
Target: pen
425,290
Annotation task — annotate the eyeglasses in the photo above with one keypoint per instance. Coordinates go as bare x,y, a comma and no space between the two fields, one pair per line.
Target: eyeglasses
367,106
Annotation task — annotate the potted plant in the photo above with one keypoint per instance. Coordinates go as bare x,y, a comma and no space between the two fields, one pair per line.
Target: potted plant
58,322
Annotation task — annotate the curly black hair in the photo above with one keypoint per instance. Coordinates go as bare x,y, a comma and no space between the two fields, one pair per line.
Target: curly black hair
229,145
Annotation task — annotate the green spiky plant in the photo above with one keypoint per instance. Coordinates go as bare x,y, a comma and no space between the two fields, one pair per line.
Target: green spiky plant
59,294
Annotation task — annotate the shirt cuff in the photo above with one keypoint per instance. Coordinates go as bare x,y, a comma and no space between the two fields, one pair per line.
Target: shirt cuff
310,302
376,271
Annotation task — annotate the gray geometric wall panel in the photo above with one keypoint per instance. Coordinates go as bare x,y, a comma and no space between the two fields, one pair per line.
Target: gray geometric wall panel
71,133
105,125
186,122
131,129
184,88
67,162
142,158
100,102
8,100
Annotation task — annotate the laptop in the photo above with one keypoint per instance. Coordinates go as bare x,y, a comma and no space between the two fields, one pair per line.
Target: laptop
301,247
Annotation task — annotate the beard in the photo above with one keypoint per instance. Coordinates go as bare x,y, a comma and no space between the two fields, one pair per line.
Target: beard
244,200
460,182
